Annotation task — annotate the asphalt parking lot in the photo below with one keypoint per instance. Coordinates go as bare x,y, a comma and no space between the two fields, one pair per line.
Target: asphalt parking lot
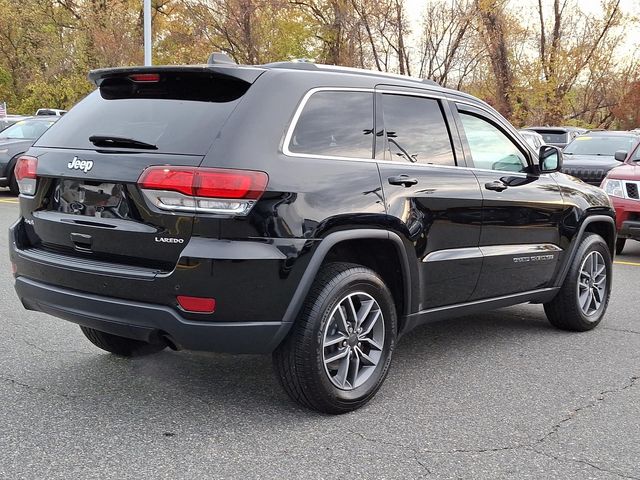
499,395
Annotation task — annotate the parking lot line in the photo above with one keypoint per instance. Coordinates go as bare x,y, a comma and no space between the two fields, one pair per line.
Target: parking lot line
633,264
2,200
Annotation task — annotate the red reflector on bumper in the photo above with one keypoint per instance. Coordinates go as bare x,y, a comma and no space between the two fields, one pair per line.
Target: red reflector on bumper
196,304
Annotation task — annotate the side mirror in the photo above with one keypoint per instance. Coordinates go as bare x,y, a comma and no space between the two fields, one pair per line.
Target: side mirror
550,159
620,155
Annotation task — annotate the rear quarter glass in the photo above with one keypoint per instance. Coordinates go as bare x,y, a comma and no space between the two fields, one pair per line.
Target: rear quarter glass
178,115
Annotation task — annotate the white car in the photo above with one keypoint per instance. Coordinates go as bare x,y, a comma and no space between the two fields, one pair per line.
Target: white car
533,138
51,111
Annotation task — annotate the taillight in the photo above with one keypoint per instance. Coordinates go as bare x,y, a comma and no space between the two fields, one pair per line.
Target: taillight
25,172
204,190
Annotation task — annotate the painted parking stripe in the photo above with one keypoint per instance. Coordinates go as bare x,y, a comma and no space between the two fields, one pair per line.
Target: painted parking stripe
633,264
2,200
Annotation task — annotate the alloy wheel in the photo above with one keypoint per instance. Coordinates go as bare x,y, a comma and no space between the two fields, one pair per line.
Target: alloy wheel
353,340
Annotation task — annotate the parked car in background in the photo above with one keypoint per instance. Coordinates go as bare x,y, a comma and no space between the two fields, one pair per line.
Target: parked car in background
14,141
10,120
622,184
589,157
556,136
576,130
533,138
50,111
151,218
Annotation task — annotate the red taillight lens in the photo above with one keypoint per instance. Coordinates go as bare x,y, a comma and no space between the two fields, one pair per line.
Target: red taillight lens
26,167
206,190
25,172
196,304
215,183
145,77
169,179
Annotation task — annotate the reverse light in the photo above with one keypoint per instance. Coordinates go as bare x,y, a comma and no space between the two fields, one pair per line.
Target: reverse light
25,172
196,304
203,190
613,187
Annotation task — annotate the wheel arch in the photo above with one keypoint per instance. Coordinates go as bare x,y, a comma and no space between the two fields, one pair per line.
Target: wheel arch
602,225
339,246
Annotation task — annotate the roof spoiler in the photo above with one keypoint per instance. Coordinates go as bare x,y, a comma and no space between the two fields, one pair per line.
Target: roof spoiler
222,69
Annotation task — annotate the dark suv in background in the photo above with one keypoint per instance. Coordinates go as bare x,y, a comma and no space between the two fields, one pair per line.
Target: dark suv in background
590,156
557,136
315,212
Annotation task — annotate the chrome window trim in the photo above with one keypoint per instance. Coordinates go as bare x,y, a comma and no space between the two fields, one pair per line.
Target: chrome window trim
294,122
427,94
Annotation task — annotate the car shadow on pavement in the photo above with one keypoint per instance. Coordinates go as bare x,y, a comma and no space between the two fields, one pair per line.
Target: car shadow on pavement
200,386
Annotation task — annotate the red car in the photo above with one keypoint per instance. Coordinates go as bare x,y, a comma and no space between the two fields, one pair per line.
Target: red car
622,184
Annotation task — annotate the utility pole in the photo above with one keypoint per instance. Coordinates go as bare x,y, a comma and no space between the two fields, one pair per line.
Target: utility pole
147,32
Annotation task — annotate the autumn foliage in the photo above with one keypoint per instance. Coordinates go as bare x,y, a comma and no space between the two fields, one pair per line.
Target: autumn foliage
536,61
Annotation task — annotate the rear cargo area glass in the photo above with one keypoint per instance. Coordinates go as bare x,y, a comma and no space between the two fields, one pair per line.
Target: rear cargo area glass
178,114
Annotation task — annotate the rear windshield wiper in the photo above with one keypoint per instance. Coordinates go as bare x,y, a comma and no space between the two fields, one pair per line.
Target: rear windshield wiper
111,141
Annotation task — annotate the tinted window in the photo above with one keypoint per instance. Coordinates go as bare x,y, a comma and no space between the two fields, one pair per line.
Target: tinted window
178,115
335,123
490,148
599,145
555,137
416,130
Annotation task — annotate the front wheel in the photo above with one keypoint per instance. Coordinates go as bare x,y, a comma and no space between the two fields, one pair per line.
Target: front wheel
338,353
13,184
582,300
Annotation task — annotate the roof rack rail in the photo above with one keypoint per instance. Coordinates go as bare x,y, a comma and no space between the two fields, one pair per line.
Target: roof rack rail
303,64
293,64
219,58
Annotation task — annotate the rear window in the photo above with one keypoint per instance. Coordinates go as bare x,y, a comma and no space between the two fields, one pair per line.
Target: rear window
599,145
335,123
180,114
555,137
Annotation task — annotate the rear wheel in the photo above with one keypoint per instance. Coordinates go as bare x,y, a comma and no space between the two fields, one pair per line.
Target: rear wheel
620,245
583,298
125,347
338,353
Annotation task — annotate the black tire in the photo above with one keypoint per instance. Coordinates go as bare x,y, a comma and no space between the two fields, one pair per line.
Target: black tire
299,360
124,347
565,311
620,245
13,183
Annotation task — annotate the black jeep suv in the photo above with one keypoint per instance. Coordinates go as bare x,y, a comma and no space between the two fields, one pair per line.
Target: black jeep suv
318,213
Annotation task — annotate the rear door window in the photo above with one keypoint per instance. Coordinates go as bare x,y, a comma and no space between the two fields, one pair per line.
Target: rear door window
416,131
335,124
179,115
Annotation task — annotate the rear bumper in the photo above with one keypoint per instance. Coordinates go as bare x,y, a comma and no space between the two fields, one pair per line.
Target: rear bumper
148,322
253,283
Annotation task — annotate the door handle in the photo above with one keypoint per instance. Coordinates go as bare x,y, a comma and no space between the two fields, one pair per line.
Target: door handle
403,180
496,186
